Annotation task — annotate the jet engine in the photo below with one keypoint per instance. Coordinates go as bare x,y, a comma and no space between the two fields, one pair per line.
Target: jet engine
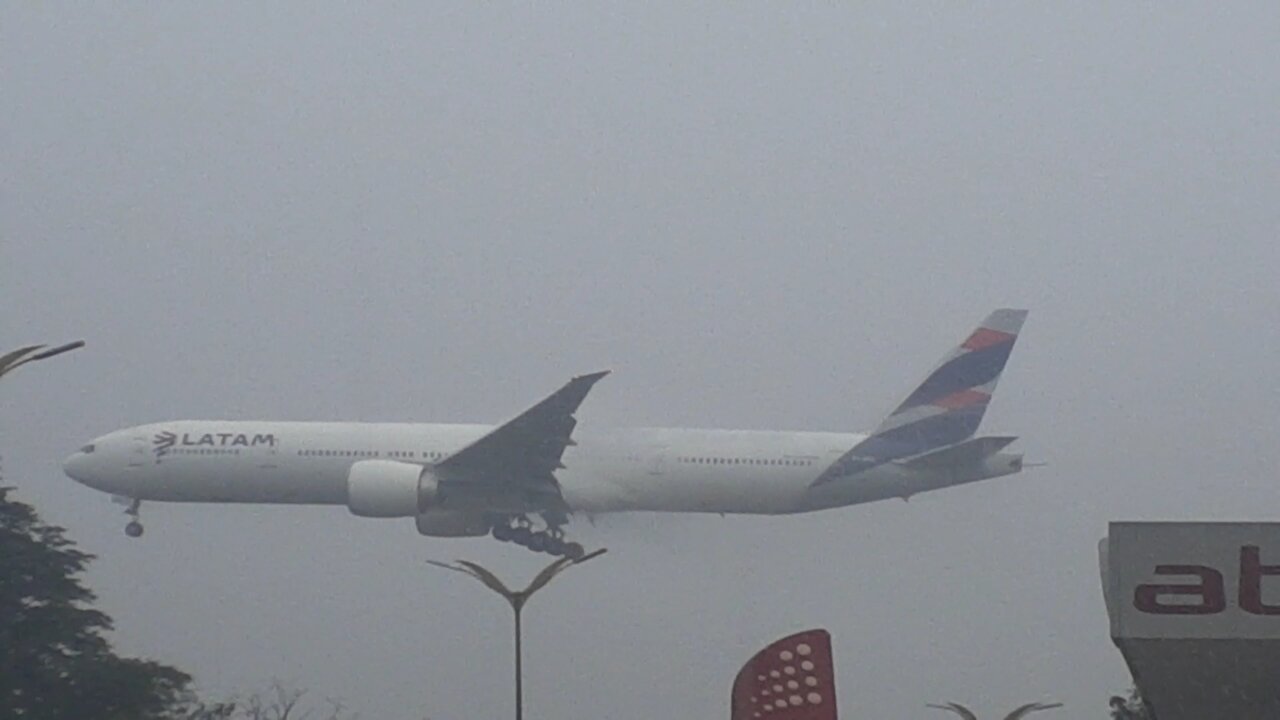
387,488
450,523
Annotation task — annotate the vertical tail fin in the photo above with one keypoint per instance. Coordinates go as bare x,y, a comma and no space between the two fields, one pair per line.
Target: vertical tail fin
947,407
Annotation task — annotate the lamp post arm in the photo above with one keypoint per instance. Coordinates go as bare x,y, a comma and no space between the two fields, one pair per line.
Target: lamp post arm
956,708
13,360
549,573
541,579
9,360
489,579
1029,708
68,347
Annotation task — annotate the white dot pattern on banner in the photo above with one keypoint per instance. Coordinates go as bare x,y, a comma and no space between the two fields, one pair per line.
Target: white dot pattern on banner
792,682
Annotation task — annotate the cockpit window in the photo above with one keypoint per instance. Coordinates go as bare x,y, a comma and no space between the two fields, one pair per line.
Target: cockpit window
87,449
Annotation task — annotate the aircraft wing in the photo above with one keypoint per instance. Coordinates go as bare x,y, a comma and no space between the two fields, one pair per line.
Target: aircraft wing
525,452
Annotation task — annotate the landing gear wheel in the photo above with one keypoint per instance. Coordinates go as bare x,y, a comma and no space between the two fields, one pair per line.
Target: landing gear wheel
555,546
574,551
521,535
503,533
133,529
538,542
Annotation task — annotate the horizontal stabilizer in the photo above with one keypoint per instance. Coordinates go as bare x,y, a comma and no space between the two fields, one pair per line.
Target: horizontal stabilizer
969,452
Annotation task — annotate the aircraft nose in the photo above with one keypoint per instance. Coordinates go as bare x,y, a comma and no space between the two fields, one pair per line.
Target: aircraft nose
98,465
76,466
80,465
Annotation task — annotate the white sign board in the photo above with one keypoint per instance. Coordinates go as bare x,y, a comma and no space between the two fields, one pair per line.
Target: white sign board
1172,580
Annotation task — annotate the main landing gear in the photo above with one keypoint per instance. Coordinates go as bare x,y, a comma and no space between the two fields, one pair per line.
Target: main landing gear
519,530
134,528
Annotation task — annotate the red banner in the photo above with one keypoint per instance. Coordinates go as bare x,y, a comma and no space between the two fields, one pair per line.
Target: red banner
792,679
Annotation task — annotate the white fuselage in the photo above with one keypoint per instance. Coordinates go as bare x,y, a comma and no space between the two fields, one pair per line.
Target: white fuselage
651,469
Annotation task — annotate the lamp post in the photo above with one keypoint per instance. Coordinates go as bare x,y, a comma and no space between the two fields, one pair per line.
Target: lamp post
11,361
1017,714
517,599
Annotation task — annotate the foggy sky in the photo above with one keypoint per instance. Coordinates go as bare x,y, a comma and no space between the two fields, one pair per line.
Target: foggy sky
759,216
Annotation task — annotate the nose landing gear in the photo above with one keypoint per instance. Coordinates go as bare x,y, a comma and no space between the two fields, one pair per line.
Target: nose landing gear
134,528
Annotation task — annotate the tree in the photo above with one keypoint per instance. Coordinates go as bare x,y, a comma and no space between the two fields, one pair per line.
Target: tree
277,703
55,661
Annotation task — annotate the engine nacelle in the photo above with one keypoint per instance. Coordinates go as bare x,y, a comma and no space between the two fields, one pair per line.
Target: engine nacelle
387,488
450,523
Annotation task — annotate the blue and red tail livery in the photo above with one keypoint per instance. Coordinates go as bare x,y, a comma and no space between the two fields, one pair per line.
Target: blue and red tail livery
947,407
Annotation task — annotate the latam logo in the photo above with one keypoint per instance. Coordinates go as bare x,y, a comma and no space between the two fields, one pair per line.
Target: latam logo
165,441
1209,595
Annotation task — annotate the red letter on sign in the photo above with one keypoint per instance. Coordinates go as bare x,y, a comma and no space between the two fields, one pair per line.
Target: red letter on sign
1210,591
1251,573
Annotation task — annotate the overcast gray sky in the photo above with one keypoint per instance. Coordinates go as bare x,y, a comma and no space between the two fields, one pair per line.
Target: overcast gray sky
759,216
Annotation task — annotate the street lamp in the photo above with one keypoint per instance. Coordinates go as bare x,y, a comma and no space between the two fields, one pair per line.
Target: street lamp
517,599
1017,714
22,356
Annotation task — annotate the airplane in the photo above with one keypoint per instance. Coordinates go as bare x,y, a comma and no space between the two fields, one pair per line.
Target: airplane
466,480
